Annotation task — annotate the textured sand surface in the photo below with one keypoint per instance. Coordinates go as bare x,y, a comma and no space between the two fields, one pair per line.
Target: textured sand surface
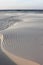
22,42
4,59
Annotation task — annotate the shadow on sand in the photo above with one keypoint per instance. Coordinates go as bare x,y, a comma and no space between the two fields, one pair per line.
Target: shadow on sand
4,60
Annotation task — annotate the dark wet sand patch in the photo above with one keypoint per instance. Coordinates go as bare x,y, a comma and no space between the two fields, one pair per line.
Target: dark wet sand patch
4,60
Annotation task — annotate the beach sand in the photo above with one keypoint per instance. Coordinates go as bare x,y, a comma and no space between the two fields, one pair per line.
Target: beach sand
4,59
18,60
22,39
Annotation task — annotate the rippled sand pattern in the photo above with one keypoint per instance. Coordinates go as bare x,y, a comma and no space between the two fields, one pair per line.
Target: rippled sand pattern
22,37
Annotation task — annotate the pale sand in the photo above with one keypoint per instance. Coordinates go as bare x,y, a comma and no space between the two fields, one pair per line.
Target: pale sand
15,59
18,60
24,18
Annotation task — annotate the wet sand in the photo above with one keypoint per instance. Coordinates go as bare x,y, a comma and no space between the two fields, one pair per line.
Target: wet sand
4,60
19,60
24,40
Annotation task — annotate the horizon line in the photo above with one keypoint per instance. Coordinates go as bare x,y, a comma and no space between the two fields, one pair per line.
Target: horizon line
21,9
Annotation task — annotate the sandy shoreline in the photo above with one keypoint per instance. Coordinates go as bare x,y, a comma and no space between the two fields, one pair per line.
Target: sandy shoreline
23,39
24,42
18,60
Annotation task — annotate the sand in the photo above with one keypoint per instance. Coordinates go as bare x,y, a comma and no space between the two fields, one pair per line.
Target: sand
22,41
18,60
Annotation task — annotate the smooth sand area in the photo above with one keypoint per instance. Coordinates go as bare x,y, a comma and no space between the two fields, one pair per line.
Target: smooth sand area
5,60
18,60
